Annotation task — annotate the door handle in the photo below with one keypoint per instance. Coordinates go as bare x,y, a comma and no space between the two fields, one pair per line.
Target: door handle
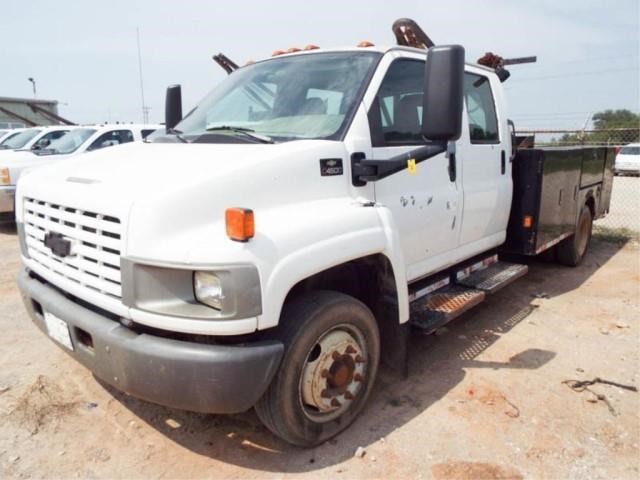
503,162
452,167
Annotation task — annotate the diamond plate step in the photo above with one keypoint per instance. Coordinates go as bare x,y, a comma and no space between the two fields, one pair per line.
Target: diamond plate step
494,277
431,312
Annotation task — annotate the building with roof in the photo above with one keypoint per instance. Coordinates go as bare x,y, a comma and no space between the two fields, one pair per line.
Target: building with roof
29,112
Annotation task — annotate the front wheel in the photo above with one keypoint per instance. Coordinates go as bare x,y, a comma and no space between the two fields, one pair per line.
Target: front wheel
332,350
571,251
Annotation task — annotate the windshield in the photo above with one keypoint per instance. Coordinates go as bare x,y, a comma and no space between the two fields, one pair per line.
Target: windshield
10,135
630,150
21,139
304,96
71,141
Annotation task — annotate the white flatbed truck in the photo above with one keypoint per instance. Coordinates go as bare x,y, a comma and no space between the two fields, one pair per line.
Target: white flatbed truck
287,235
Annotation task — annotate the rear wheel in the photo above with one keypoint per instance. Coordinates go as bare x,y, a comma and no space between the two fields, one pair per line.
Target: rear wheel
571,251
332,350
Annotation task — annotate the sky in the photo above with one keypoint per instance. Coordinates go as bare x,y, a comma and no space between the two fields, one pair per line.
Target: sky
84,53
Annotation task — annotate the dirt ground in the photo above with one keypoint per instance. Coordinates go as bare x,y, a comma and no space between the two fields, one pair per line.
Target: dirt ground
484,399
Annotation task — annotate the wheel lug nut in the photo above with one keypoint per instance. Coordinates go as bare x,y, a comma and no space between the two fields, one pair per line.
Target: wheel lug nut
325,394
335,355
357,377
348,395
335,403
359,359
350,350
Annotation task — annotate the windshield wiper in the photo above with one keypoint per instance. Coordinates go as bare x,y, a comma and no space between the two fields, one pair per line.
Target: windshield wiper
177,133
242,130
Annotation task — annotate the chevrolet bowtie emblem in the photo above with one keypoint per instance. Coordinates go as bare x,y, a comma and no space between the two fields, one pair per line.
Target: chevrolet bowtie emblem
58,244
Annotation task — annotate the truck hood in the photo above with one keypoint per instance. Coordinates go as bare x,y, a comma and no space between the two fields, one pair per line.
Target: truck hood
139,169
163,192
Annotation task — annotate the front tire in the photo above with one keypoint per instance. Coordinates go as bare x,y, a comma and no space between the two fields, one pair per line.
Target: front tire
332,350
572,251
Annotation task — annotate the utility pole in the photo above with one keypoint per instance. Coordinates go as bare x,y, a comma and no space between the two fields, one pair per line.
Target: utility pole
33,83
145,109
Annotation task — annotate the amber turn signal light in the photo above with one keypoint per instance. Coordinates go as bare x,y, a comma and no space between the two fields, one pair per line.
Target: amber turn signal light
527,221
240,224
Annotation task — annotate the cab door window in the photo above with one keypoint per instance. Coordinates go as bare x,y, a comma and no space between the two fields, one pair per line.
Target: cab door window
481,109
48,138
114,137
395,117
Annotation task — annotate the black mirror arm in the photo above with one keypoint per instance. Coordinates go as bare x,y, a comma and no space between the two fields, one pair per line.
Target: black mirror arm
366,170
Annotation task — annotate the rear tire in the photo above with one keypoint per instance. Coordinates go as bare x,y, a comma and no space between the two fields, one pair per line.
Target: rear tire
332,350
571,251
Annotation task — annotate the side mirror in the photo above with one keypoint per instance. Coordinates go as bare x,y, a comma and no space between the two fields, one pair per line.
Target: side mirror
443,93
173,107
42,143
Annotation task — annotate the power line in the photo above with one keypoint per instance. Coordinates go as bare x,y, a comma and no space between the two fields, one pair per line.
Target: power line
576,74
582,60
550,115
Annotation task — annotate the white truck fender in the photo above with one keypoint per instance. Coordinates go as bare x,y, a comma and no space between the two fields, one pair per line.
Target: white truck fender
313,258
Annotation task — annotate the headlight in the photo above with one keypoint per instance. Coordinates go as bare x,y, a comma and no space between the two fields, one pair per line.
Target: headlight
4,176
208,289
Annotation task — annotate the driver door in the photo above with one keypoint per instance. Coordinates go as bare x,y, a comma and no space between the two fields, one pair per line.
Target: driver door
425,202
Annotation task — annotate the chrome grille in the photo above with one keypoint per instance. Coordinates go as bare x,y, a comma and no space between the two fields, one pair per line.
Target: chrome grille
95,259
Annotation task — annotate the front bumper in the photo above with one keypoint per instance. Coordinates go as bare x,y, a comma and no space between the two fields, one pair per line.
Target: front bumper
179,374
7,199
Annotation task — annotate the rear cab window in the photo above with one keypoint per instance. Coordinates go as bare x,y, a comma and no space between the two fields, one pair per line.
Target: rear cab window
481,109
146,132
631,150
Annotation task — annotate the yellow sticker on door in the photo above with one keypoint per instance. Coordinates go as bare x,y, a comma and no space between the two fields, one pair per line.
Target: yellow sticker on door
411,166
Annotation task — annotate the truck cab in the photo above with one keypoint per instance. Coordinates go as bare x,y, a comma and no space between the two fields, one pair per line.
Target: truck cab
272,247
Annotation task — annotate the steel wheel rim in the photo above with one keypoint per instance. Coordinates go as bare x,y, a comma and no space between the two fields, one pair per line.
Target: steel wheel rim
333,375
583,236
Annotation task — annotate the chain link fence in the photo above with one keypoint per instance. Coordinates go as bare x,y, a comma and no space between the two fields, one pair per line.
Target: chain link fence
623,219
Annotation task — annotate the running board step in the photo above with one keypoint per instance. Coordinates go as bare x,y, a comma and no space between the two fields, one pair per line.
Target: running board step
434,310
494,277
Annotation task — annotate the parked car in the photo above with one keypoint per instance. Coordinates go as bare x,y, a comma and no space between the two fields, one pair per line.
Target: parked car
628,160
95,137
6,134
34,138
79,140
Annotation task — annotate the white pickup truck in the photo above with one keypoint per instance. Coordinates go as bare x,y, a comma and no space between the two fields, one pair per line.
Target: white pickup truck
80,140
285,236
26,140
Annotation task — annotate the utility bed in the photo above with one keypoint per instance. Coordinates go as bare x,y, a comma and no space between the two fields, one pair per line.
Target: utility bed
550,186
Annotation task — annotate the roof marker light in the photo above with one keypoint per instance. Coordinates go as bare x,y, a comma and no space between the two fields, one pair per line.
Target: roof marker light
365,43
